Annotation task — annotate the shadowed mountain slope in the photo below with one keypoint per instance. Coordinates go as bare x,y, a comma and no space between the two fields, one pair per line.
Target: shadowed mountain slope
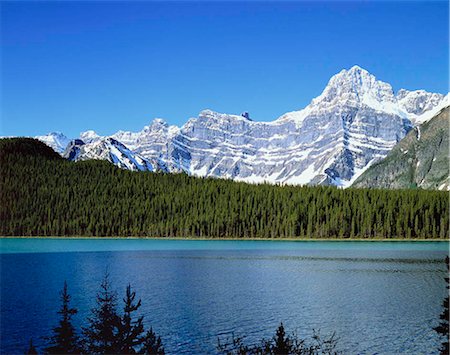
421,159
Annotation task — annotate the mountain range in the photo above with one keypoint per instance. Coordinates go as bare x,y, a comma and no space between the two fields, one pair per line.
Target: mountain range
355,123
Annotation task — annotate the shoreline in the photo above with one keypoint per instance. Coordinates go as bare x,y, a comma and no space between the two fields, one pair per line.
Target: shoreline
233,239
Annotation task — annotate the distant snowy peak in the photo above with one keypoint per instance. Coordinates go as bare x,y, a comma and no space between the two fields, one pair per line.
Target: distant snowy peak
421,105
55,140
158,132
158,122
352,124
160,127
157,125
355,84
430,113
111,150
89,136
353,88
419,101
358,88
363,118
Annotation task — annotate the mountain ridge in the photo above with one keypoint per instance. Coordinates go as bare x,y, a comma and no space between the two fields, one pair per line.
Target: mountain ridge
355,122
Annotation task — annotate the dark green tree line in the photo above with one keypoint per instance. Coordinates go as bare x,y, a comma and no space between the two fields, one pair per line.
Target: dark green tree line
42,194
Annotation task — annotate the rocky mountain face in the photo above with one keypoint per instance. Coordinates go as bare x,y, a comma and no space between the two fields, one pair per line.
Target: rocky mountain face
111,150
421,159
55,140
415,103
355,122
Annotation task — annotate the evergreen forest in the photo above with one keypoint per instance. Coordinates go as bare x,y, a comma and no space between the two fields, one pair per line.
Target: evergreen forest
43,194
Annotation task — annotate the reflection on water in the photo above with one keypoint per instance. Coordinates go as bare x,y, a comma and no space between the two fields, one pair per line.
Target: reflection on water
378,297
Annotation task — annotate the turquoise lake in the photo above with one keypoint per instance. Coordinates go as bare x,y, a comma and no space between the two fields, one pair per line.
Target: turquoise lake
379,297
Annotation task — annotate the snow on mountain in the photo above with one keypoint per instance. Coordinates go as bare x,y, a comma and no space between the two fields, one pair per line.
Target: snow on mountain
418,102
55,140
89,136
357,87
111,150
428,114
355,122
154,142
420,159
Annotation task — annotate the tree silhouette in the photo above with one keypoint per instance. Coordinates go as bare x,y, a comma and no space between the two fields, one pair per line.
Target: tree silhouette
443,326
130,330
101,334
282,343
106,332
152,344
64,339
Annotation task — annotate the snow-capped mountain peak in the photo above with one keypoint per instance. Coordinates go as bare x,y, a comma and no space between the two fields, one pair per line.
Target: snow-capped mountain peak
55,140
364,117
355,86
89,136
430,113
111,150
158,124
354,122
417,103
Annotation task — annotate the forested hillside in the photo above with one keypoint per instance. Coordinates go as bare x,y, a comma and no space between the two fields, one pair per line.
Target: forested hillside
43,195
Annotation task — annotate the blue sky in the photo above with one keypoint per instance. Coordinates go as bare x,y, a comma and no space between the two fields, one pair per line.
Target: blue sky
73,66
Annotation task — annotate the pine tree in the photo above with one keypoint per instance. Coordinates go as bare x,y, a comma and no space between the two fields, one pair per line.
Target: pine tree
152,344
64,339
101,334
130,330
282,343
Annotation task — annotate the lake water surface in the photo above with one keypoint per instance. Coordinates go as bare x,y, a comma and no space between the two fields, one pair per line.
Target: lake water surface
379,297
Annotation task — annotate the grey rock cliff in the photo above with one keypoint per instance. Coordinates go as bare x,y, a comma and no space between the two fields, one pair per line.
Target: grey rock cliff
355,122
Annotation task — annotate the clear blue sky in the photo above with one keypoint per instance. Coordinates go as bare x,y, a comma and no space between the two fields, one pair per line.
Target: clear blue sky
73,66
